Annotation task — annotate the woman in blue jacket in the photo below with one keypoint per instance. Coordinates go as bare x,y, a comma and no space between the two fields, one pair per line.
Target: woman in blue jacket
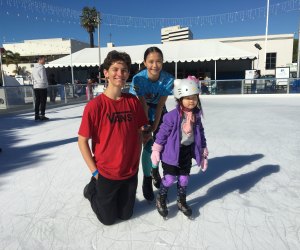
152,85
179,139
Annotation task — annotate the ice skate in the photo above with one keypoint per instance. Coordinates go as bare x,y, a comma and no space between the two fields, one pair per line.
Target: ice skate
147,188
161,205
156,179
183,207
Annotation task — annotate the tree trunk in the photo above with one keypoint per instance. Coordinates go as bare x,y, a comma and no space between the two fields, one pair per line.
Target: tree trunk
91,39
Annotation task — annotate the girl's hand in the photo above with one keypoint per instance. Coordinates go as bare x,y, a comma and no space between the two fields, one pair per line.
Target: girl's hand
204,160
205,152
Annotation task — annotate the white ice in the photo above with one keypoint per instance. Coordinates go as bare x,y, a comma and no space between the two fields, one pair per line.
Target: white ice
247,199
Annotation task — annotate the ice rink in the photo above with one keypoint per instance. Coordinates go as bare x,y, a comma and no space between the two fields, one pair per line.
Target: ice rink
248,198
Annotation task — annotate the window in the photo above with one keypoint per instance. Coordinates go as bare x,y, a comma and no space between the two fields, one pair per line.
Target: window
271,61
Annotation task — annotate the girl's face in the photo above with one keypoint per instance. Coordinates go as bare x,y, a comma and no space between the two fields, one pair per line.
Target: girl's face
117,74
190,101
153,63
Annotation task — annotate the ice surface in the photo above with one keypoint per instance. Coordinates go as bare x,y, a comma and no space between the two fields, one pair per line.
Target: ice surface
247,199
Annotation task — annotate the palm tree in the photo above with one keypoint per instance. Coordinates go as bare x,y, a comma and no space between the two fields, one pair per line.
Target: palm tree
89,20
10,57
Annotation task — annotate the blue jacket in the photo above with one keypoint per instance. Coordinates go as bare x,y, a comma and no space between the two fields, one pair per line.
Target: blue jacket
169,136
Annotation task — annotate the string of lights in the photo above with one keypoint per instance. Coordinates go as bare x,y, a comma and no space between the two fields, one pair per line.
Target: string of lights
41,11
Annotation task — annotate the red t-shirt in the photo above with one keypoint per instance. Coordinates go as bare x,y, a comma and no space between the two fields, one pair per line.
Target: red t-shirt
113,127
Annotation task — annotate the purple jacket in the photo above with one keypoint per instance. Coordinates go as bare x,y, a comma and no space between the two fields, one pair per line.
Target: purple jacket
168,136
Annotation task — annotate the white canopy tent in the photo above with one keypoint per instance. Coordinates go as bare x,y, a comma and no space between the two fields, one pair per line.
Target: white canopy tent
181,51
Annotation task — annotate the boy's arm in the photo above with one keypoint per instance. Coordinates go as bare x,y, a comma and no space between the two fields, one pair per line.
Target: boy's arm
86,153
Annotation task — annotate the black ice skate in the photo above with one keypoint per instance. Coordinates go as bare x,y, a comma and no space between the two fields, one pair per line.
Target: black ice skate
161,205
183,207
147,188
156,177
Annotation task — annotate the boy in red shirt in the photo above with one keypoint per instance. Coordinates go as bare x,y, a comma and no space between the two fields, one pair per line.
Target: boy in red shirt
114,122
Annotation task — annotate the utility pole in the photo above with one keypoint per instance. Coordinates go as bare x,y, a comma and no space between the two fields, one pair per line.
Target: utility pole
298,59
266,35
99,50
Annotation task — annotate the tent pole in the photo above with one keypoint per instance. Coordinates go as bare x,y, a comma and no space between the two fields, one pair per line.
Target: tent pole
2,72
215,70
175,70
72,73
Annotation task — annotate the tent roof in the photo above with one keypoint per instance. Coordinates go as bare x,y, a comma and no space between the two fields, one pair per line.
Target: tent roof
181,51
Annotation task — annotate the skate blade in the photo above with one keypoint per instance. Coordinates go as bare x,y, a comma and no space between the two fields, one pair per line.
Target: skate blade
190,217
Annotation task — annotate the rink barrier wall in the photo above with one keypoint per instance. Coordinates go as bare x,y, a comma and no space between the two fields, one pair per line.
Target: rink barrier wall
22,96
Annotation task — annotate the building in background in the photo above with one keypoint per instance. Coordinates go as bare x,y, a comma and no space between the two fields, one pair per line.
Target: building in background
175,33
276,52
53,48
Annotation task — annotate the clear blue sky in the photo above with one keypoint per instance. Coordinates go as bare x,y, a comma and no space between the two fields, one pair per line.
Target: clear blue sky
32,19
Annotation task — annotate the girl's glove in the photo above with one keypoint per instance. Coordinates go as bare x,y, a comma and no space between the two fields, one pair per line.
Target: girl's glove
155,155
204,160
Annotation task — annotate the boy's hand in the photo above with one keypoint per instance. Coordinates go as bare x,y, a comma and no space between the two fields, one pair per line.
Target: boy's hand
146,129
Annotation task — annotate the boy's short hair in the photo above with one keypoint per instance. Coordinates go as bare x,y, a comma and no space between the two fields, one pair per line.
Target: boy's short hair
115,56
40,57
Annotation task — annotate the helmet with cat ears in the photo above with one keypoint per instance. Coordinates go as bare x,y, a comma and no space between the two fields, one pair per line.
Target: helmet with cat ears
185,87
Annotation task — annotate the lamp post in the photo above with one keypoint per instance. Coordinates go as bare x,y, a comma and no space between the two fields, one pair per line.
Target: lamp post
257,45
298,59
99,49
267,27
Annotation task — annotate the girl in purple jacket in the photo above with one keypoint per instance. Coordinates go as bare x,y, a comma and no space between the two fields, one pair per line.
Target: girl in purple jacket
179,139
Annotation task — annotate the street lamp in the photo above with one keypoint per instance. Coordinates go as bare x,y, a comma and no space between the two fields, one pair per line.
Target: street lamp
99,50
257,45
298,58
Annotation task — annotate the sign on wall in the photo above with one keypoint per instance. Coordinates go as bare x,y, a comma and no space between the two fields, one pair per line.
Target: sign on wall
282,72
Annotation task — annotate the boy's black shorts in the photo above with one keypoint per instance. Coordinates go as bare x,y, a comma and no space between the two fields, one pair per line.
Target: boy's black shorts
112,199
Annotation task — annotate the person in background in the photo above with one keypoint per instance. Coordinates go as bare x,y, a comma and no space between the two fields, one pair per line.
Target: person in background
179,139
204,89
89,88
114,121
152,86
40,85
